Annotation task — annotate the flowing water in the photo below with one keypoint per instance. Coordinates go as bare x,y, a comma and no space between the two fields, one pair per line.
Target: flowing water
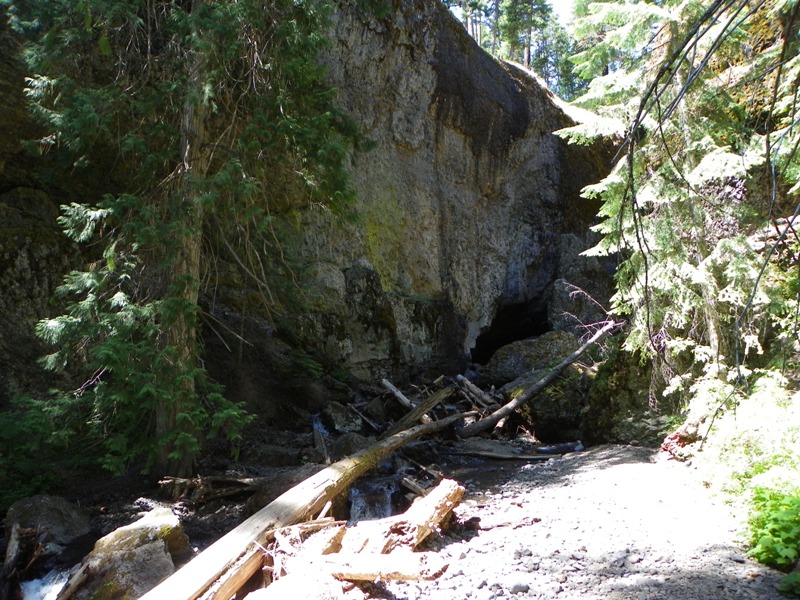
372,499
45,588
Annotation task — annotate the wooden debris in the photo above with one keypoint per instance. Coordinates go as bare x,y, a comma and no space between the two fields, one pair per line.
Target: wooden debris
397,394
398,566
321,446
419,412
300,502
490,421
406,530
476,394
75,582
362,552
365,418
501,455
414,486
211,487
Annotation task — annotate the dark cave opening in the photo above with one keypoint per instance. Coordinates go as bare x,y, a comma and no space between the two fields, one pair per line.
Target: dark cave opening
511,323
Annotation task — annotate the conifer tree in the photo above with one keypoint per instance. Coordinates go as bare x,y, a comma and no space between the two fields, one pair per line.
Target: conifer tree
214,111
702,98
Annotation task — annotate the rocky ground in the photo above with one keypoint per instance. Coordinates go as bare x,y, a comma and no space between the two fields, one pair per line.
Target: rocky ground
612,523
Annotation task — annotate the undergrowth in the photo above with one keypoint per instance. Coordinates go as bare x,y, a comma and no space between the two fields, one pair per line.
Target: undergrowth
753,454
775,534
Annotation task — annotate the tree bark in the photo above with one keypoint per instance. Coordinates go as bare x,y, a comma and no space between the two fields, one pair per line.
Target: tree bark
183,276
419,413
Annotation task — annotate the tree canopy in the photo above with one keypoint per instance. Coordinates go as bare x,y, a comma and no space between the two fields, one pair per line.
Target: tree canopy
526,32
699,207
216,113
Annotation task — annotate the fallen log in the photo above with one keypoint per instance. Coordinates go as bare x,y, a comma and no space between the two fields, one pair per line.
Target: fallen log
230,582
408,529
300,502
321,577
508,408
363,552
419,413
399,396
500,455
475,393
400,566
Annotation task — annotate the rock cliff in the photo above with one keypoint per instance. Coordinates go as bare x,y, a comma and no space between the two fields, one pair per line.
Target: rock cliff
468,219
470,206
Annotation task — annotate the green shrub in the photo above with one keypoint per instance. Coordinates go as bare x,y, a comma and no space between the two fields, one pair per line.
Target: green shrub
790,585
775,534
32,459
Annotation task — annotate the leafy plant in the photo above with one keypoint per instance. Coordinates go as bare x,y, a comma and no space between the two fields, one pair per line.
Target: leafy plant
704,289
775,533
33,456
790,585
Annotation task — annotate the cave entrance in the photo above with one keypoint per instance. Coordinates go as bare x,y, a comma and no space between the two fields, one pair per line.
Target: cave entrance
511,323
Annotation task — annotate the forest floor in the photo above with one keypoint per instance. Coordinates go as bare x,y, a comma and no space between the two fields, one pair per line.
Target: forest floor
612,523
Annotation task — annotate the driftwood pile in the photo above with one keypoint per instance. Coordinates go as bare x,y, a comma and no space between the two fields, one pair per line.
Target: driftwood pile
284,543
229,564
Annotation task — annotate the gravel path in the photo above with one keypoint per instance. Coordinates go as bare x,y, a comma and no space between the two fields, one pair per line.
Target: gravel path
610,523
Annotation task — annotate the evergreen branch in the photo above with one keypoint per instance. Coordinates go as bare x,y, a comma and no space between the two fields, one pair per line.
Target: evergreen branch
718,41
771,113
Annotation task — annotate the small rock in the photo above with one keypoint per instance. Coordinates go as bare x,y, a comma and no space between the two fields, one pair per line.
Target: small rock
532,565
519,588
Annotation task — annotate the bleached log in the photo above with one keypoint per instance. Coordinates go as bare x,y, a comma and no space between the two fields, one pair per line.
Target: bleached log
399,396
508,408
418,413
317,578
398,566
408,529
501,455
297,504
480,397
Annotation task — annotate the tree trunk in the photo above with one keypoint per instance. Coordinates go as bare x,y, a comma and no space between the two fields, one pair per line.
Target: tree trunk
183,278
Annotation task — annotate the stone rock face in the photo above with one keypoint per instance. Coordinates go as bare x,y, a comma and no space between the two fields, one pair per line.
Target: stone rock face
554,414
33,253
133,559
620,408
467,204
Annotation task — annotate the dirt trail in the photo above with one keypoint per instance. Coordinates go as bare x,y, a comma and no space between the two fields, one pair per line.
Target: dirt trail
613,522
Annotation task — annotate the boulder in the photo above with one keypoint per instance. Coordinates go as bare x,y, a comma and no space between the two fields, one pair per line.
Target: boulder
622,408
58,521
41,533
519,359
132,559
341,419
554,414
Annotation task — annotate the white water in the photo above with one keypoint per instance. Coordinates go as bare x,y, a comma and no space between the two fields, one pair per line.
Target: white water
370,500
46,588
